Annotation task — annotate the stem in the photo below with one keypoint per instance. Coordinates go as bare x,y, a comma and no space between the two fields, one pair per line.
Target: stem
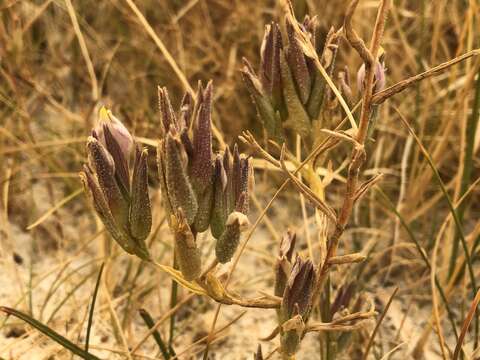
173,303
358,155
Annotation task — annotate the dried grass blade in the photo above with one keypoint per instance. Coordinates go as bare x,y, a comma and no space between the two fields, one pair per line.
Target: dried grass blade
372,337
67,344
466,324
92,307
383,95
327,210
54,208
147,318
448,199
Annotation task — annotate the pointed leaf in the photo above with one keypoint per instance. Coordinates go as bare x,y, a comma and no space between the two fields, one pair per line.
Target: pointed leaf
67,344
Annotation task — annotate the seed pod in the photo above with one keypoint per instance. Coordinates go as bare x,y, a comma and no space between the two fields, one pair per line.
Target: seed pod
228,242
120,158
297,64
290,335
140,211
267,50
201,170
298,119
270,77
228,166
187,252
219,210
204,212
316,100
343,297
163,181
235,178
167,115
265,110
103,166
246,175
97,198
283,264
179,188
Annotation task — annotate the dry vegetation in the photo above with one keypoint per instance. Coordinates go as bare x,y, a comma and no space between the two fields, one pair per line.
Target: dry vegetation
413,238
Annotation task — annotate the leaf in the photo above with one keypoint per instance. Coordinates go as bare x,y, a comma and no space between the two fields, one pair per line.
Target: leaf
156,335
178,277
67,344
92,307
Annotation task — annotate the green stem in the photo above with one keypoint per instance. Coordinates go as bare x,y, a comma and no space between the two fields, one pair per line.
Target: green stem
470,130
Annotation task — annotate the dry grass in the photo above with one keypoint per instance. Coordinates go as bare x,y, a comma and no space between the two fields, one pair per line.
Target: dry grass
61,60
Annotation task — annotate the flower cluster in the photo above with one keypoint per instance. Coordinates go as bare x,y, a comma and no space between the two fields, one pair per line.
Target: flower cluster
289,90
294,282
200,189
117,184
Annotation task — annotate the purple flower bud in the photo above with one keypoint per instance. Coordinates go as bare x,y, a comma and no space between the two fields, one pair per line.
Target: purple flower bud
299,289
379,78
117,130
296,301
270,62
283,264
167,115
124,211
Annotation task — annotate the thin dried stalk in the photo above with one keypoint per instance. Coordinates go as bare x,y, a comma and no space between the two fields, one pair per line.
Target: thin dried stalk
358,155
383,95
466,324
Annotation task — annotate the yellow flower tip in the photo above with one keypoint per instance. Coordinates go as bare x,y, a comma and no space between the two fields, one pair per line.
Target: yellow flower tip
105,115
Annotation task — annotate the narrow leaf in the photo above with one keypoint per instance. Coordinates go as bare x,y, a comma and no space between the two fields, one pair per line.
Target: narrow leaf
67,344
92,307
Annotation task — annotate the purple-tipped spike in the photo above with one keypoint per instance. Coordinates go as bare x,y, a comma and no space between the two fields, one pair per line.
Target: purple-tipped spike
167,115
298,65
201,171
